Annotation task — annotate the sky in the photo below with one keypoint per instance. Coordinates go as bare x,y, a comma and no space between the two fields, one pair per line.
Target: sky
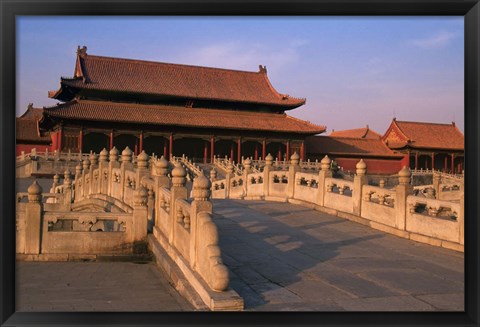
353,71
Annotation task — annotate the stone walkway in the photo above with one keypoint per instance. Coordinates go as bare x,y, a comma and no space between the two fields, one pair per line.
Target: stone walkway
281,257
287,257
94,286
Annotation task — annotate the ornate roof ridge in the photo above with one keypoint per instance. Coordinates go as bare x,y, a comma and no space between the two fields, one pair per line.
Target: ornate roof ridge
316,125
151,62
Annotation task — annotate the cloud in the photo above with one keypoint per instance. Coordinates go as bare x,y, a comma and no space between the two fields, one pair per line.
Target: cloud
242,56
438,40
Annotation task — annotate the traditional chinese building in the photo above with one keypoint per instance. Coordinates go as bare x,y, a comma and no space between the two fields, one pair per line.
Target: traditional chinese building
172,109
427,145
27,132
361,133
347,151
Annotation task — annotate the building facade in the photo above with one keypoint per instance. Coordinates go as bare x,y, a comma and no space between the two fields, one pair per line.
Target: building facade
171,109
28,135
428,145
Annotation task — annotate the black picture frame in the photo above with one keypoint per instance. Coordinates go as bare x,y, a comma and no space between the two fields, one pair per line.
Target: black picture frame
470,9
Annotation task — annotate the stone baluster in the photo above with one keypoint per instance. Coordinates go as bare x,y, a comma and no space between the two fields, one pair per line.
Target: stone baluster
126,164
55,183
140,215
266,174
213,174
200,204
33,219
67,188
102,172
324,173
292,170
436,184
142,166
177,191
403,189
113,163
359,180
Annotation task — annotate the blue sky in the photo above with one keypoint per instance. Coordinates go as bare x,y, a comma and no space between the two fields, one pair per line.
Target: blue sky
353,71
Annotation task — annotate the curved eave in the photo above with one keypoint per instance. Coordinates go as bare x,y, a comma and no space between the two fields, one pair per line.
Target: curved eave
62,113
77,84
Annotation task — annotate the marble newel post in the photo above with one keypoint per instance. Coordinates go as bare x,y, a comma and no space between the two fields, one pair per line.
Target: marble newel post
403,189
266,174
113,163
140,214
33,219
177,191
247,169
102,169
359,180
324,173
201,194
67,188
142,166
292,169
436,183
228,177
126,164
461,214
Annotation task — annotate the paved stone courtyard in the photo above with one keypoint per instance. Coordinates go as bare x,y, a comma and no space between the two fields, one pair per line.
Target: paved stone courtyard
281,256
287,257
95,286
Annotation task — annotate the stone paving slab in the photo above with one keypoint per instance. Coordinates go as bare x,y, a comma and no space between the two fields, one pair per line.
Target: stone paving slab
94,286
285,257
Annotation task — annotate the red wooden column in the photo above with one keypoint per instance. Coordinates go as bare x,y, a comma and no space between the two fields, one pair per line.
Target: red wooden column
256,152
264,149
80,140
141,142
212,148
60,136
433,160
170,147
279,156
205,153
416,160
239,150
288,150
231,153
302,150
164,148
111,140
453,163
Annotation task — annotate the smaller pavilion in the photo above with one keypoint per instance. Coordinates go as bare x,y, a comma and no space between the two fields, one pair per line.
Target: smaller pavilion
428,145
28,135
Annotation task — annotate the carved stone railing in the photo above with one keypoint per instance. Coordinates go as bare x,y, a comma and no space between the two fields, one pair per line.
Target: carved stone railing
383,208
379,195
440,220
193,169
125,198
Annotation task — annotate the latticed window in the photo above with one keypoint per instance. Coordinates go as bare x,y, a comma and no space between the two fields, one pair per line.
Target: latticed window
70,142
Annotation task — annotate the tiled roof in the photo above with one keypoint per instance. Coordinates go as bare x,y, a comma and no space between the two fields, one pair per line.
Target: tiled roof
27,131
32,113
348,146
174,80
429,135
115,112
364,132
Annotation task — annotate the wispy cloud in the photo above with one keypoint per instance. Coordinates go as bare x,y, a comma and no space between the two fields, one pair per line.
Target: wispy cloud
438,40
241,56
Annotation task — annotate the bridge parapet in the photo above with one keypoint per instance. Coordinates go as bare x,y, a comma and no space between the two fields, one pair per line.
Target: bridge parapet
124,199
380,207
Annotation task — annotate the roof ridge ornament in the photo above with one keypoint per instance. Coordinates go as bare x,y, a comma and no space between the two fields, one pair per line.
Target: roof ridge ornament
262,69
82,50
